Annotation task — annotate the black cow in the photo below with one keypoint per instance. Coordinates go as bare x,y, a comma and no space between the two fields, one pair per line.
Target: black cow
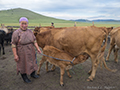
2,37
8,37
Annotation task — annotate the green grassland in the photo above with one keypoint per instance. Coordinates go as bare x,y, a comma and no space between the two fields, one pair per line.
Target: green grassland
11,17
65,24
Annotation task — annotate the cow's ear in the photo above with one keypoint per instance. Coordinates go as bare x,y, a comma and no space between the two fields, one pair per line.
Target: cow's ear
35,33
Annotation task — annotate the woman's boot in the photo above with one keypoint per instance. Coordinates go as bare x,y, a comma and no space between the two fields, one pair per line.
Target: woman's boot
33,75
25,78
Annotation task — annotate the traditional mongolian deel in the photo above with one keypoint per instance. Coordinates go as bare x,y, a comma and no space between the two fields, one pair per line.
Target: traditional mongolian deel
24,43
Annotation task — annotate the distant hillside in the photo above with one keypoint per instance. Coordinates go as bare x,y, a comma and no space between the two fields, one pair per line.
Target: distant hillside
81,20
106,20
98,20
13,15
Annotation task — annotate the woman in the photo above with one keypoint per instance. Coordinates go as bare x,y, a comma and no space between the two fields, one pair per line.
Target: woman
23,42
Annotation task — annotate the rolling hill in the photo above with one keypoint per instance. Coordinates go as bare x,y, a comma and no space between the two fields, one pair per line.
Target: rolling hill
13,15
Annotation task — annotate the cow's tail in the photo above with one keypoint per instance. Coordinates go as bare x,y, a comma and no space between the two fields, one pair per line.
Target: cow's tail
101,55
114,70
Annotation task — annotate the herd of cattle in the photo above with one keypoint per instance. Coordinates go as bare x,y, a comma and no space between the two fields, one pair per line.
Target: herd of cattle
68,46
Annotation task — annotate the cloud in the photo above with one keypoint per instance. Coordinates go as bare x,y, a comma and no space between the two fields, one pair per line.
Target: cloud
68,9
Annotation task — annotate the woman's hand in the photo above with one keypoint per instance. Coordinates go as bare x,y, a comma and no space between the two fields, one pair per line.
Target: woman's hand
39,51
37,47
16,58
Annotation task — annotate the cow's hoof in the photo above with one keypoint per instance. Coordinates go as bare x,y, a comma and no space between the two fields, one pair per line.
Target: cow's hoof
89,80
48,71
106,60
70,77
89,73
62,85
116,61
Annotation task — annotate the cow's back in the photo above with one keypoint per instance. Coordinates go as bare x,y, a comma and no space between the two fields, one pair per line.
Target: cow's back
4,29
78,40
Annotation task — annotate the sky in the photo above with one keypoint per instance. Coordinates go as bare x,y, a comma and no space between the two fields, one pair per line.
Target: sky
68,9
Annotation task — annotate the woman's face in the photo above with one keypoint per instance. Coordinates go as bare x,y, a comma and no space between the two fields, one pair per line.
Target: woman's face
23,25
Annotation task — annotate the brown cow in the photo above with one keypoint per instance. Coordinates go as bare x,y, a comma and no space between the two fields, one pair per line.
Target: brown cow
114,43
43,29
37,29
107,30
77,40
63,65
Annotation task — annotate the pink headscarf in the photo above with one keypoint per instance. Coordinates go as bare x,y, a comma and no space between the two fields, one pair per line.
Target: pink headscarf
23,19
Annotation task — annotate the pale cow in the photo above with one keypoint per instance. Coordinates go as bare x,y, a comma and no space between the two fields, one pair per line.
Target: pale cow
114,43
4,28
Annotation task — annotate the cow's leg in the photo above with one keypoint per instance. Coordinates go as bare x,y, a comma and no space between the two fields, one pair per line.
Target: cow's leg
46,66
0,49
62,71
95,63
7,42
68,73
112,45
53,68
3,48
116,54
40,64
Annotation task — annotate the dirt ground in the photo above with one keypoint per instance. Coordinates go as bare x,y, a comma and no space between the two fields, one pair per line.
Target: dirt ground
104,80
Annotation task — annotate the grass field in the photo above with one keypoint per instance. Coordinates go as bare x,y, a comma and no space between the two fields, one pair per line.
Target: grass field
66,24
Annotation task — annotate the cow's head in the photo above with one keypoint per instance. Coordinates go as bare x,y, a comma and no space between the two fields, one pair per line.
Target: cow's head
36,30
109,29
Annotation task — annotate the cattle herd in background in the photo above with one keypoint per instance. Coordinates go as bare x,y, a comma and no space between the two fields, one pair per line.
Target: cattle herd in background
79,43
